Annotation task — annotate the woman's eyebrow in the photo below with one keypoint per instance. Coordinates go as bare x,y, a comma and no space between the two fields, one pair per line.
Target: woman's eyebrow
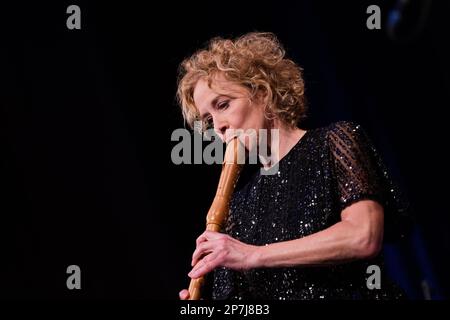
214,101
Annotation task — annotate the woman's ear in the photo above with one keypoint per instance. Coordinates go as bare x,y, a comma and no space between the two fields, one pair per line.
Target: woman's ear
262,97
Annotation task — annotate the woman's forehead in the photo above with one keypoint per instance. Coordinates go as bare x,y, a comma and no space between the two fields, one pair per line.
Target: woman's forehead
209,88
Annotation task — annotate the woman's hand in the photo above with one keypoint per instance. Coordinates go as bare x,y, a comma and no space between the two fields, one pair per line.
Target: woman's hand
184,294
215,249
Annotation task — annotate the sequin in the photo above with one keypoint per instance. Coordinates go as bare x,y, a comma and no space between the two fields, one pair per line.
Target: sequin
329,169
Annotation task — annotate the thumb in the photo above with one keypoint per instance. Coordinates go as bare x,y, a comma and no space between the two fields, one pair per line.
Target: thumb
184,294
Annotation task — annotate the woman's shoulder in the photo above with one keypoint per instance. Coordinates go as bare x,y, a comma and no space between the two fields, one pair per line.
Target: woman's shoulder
347,132
344,127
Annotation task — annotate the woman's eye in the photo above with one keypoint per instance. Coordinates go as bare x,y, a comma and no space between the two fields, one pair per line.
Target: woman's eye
209,123
223,105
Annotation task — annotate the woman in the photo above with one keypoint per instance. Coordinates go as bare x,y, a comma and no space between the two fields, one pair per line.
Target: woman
311,230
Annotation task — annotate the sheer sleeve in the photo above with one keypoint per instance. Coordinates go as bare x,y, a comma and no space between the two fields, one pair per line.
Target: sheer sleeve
361,174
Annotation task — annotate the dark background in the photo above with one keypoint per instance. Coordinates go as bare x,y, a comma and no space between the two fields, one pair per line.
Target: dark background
86,119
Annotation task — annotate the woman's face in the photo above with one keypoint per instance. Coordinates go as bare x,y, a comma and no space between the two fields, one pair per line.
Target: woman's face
227,105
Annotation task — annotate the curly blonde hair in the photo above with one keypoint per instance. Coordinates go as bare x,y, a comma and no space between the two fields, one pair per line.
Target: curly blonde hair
256,61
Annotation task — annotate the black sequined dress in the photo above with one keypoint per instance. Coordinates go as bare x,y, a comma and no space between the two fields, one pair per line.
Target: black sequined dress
327,170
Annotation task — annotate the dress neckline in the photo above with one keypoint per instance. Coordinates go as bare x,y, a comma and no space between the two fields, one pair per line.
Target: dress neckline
289,153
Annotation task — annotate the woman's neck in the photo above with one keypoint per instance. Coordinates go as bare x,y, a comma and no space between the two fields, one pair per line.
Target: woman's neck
287,139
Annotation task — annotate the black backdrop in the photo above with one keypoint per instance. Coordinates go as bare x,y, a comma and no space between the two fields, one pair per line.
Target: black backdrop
86,118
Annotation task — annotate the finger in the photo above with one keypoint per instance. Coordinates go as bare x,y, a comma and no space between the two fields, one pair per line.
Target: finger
184,294
207,247
200,239
206,265
208,235
201,263
202,250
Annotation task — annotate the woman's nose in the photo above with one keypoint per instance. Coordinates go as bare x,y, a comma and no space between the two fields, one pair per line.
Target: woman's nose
220,129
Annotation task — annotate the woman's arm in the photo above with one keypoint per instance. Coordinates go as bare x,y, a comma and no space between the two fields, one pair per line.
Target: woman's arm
358,235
